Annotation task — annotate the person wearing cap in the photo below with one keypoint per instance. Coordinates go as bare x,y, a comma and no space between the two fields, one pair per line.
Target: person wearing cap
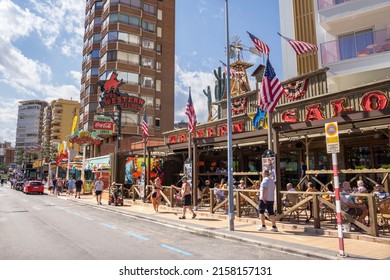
380,192
98,188
186,197
266,201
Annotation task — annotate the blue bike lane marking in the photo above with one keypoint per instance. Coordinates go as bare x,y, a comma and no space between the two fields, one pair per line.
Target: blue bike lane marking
176,249
109,226
137,236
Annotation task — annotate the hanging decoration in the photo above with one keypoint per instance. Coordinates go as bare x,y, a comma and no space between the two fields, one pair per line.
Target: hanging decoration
296,90
239,105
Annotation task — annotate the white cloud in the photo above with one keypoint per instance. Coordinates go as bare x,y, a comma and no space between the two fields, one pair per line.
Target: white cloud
76,76
60,16
63,91
8,119
22,73
19,23
197,81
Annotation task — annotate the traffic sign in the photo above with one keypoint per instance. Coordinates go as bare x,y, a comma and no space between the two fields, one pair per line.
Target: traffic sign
332,138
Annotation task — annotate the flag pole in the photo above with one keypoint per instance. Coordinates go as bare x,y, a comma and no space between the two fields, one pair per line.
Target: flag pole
189,138
229,125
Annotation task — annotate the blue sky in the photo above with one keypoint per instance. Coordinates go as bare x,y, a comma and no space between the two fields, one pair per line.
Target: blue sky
41,49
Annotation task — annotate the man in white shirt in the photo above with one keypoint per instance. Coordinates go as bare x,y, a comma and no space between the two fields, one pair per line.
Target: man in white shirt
99,184
266,202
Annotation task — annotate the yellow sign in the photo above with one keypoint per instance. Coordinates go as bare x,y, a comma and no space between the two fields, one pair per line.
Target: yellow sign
332,138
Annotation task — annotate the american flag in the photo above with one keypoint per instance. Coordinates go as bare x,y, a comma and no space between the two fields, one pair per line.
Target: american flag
260,45
145,128
271,89
190,112
233,72
299,46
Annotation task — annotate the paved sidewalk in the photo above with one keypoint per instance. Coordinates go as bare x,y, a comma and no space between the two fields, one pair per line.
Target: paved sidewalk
302,240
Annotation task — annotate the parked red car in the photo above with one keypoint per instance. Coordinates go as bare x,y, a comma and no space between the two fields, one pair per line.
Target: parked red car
33,187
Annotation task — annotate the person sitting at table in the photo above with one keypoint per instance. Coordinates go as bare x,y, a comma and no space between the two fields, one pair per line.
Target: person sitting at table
350,206
241,185
220,197
361,189
310,188
380,192
285,198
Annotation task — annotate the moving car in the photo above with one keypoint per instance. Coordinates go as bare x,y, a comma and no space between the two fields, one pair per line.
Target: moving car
33,187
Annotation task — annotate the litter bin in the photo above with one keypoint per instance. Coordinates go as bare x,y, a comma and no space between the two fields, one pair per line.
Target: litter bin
346,227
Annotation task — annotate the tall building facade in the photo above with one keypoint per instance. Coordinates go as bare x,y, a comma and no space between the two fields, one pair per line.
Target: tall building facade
57,124
29,125
353,37
135,38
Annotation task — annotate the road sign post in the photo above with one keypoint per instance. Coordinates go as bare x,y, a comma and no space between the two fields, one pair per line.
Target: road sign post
333,147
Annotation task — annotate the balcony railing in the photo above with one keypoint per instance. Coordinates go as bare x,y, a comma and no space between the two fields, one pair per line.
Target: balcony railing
360,45
325,4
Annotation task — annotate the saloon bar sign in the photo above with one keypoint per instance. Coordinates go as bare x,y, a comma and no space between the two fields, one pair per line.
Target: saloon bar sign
110,95
211,131
103,125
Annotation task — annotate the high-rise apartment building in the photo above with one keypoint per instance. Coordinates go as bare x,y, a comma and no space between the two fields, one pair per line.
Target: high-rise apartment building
353,37
57,123
136,38
29,125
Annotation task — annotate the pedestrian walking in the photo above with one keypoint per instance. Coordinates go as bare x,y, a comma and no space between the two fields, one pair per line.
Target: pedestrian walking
99,184
71,186
79,184
156,193
186,196
59,186
54,182
266,202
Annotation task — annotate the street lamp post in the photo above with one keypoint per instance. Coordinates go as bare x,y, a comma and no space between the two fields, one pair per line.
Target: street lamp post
229,125
117,119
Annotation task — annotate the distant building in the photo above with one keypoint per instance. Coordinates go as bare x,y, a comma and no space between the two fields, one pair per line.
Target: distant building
29,126
5,157
58,119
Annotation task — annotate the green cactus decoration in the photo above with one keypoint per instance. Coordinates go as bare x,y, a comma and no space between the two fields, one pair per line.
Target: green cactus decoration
220,87
209,101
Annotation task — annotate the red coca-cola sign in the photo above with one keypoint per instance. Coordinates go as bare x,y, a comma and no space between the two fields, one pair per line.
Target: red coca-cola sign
99,125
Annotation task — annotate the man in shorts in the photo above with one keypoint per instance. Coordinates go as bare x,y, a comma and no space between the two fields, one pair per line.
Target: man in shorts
99,184
186,194
266,202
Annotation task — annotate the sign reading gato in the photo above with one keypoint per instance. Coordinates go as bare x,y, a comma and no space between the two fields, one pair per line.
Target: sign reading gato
111,96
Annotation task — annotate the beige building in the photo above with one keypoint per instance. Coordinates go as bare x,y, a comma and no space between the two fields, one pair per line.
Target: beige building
57,124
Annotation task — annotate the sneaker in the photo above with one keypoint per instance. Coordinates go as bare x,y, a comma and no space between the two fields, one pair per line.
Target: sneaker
261,228
194,216
182,217
274,229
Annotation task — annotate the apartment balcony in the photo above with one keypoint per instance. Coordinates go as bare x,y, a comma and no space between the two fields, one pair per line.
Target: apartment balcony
370,47
55,120
337,16
56,132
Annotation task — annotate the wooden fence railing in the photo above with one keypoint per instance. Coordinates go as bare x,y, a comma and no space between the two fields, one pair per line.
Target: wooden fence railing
246,203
